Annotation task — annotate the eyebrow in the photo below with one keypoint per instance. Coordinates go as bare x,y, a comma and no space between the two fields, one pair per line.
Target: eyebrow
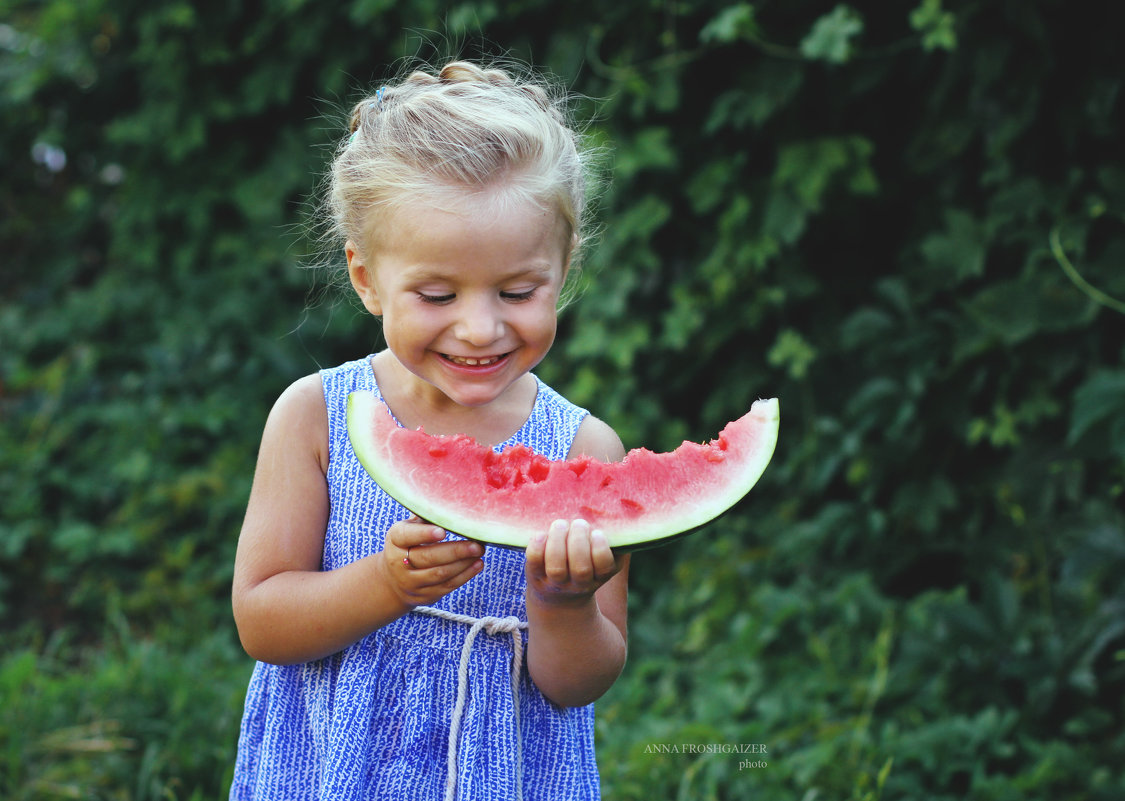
422,274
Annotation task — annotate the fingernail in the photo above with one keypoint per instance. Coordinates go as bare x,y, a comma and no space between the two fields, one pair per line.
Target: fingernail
597,537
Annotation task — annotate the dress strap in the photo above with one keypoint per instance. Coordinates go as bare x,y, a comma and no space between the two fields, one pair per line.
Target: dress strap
491,625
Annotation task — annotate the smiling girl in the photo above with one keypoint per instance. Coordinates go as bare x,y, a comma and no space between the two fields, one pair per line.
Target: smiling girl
395,660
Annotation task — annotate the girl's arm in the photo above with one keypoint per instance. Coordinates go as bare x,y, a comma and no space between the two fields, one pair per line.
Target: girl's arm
286,608
577,595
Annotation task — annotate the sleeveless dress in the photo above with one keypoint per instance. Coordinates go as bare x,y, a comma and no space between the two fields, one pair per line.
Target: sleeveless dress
373,721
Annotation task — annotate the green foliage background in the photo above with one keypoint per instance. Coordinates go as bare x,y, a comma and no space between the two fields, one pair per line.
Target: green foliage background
907,223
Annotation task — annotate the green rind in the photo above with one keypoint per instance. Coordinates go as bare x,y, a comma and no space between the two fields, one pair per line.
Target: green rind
362,406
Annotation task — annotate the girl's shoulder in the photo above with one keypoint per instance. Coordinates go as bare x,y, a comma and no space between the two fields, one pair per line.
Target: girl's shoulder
590,436
299,415
304,397
598,440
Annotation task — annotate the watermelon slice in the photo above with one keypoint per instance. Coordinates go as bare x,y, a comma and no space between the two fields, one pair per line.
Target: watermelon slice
502,498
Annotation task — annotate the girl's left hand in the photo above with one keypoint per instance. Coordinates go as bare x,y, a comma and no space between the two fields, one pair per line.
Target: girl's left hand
569,562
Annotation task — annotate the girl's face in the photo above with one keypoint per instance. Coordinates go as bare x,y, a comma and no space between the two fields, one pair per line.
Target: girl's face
468,296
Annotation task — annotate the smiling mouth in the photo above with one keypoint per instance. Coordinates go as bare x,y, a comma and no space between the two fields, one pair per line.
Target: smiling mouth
463,361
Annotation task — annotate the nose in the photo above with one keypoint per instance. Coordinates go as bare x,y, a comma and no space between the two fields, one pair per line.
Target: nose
480,323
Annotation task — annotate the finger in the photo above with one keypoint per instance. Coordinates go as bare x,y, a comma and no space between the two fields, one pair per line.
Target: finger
555,553
462,571
445,577
578,558
424,556
605,563
420,587
535,553
410,534
402,540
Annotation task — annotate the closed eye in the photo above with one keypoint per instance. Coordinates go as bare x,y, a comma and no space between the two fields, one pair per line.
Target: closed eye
516,297
437,300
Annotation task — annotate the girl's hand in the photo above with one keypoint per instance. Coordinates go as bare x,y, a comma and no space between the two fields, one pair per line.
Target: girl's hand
569,562
420,568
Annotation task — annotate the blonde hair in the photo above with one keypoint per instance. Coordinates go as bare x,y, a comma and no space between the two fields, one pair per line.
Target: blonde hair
432,137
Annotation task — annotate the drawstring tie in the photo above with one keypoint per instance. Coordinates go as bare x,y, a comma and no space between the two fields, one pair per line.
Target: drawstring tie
492,625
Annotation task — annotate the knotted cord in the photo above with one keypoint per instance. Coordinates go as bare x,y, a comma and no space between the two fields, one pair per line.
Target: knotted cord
492,625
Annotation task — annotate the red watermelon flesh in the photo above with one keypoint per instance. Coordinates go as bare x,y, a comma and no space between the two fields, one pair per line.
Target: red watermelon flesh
503,498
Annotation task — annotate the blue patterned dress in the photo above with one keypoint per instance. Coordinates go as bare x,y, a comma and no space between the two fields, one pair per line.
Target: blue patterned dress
374,721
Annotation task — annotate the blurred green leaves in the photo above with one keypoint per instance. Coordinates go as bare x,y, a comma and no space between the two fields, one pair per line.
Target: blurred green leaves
937,26
1099,405
831,36
856,210
731,24
792,352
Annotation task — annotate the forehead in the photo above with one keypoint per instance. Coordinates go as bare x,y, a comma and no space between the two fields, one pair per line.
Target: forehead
464,228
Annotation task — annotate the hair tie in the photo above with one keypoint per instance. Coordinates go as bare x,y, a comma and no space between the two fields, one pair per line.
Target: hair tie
375,106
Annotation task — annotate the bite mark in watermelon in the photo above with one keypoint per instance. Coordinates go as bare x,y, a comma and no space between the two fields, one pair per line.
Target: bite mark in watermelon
503,498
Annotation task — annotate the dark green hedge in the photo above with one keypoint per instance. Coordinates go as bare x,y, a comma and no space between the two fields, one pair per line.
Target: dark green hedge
908,225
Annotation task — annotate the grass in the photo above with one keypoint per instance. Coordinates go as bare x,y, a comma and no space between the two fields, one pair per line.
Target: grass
131,719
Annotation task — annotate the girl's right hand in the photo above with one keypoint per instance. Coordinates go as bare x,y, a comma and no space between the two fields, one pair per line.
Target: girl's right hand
420,568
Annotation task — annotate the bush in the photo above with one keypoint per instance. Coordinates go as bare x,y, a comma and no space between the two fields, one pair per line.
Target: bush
906,225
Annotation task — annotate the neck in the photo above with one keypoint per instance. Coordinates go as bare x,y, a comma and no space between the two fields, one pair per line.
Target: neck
416,403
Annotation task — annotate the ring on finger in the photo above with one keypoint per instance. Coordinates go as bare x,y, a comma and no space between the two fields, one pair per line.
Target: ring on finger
406,560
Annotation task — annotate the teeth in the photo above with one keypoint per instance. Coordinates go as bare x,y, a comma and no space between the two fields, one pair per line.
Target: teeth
472,362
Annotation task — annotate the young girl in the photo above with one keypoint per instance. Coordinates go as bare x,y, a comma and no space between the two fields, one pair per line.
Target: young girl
395,661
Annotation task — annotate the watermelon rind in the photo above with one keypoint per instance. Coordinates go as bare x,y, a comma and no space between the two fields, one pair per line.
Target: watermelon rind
377,456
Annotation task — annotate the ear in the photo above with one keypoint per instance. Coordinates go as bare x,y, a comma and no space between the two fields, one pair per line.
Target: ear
362,282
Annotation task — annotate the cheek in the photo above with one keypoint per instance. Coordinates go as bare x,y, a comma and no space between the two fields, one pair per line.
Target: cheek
543,319
405,324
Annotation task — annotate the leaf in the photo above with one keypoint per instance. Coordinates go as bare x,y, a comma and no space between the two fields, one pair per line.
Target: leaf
793,352
731,24
710,186
935,24
1014,311
651,148
806,171
768,89
865,325
1100,398
831,35
958,252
